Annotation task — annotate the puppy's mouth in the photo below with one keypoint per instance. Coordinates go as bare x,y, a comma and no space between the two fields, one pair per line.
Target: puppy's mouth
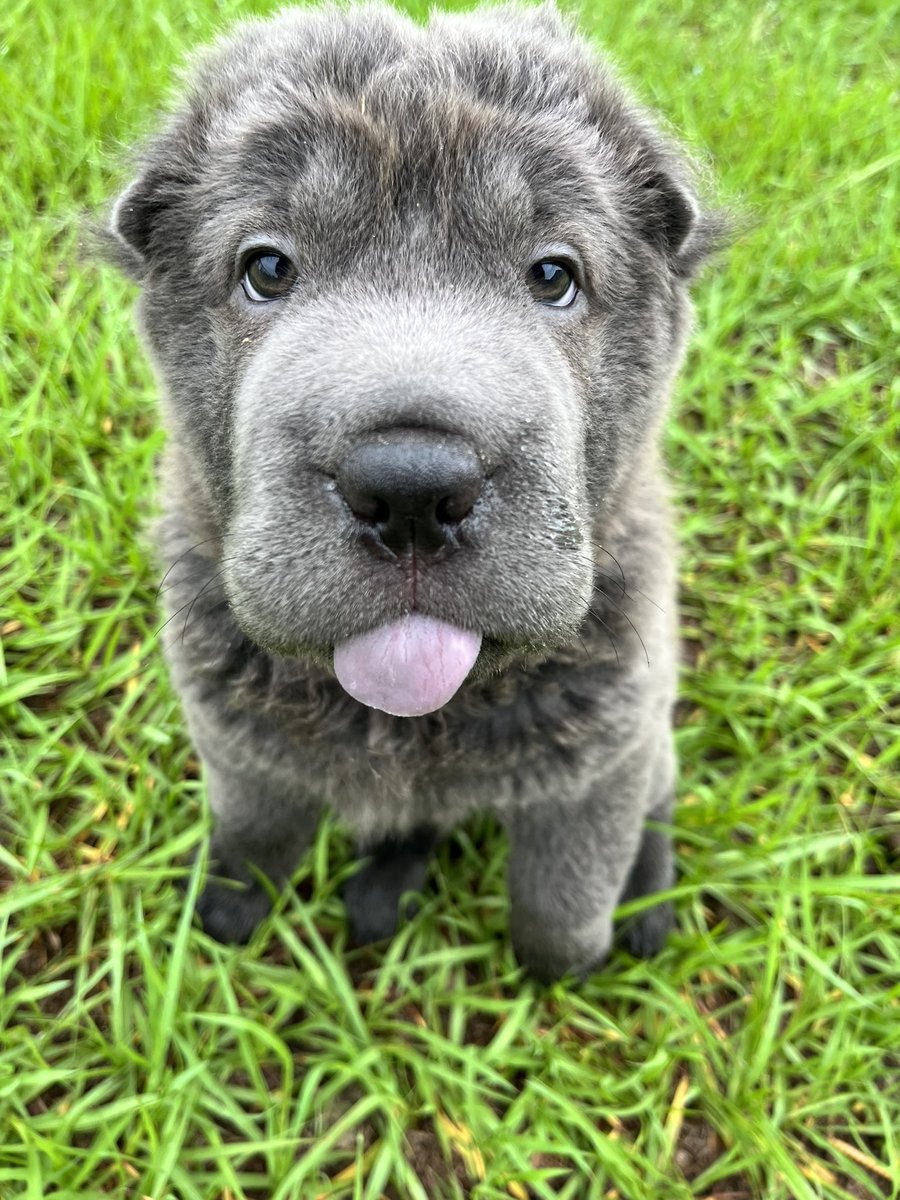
409,667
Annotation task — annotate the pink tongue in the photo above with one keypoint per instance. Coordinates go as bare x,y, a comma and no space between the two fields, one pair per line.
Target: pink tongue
408,668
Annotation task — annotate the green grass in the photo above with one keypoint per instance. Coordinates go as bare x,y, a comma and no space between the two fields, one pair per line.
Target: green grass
757,1056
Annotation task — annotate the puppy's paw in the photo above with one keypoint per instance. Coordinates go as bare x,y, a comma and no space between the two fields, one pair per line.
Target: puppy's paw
372,907
373,900
231,912
549,955
373,895
644,934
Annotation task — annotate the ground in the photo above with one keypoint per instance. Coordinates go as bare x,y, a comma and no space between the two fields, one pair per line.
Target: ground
756,1056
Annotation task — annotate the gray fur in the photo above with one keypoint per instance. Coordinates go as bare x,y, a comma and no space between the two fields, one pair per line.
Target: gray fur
414,174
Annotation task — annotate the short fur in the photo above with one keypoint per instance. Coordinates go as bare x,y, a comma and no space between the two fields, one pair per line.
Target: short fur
416,173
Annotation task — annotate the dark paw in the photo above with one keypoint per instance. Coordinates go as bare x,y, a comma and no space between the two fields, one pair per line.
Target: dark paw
644,934
231,912
371,910
373,895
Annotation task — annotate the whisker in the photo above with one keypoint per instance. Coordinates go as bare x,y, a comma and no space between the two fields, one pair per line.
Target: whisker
609,635
587,652
219,606
628,595
187,604
621,610
623,590
206,585
613,579
200,573
189,550
597,546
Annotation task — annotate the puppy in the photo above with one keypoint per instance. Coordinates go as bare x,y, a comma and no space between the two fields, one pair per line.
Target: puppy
416,296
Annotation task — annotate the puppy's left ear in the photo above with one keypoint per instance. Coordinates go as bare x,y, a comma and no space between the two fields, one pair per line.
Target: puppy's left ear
671,212
673,220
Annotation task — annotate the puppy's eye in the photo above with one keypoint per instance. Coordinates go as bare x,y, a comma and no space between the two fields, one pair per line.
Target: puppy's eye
268,275
552,283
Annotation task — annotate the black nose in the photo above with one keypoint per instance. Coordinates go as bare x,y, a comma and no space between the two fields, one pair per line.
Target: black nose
411,488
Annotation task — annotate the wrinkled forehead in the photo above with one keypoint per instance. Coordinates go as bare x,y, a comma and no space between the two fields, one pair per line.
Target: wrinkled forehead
342,177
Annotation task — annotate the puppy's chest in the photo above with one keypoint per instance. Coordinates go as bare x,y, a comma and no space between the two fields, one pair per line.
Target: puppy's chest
484,752
379,787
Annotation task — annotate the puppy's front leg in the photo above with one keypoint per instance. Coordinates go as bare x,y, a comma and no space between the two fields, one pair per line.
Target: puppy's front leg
373,895
568,866
262,827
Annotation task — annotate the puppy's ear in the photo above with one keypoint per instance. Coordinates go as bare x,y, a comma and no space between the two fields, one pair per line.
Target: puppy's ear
672,219
135,231
671,212
132,215
145,219
128,232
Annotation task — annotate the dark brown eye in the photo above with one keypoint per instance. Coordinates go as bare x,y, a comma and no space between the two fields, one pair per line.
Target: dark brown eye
552,283
268,275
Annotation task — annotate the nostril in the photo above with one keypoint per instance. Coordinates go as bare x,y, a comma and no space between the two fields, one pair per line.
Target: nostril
411,487
381,511
450,510
374,510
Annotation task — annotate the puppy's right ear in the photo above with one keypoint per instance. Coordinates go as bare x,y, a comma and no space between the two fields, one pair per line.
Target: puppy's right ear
127,234
144,225
147,216
135,231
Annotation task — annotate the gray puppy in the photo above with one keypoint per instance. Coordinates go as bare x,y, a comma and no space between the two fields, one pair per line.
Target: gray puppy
416,297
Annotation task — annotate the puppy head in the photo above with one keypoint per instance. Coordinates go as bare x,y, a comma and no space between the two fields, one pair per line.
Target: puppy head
416,296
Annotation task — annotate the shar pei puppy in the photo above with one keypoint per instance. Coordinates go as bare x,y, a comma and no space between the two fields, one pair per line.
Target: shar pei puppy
416,295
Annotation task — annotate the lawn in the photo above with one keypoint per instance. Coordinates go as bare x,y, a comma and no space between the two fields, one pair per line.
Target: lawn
757,1055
